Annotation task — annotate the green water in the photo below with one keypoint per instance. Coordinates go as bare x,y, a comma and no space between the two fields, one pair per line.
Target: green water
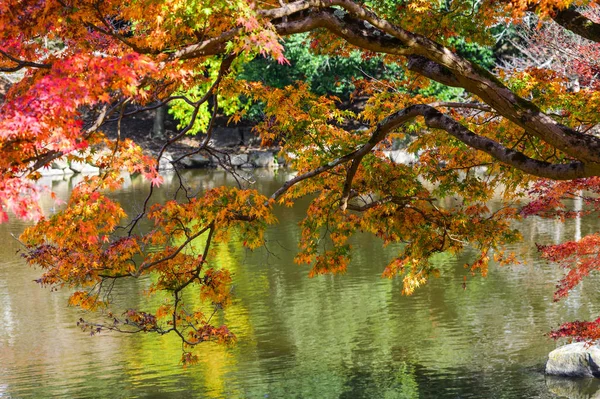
350,336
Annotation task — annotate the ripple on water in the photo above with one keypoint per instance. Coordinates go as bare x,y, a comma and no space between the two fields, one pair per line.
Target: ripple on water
350,336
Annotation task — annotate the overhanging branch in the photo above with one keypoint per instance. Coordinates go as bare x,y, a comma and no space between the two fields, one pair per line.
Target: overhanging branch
437,120
578,23
365,29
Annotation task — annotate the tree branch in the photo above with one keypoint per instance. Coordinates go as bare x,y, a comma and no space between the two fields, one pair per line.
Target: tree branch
21,63
577,23
441,64
435,119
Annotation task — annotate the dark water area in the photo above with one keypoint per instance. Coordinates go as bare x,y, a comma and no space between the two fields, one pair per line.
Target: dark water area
349,336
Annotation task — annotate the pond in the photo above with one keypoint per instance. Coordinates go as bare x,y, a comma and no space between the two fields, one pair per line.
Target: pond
349,336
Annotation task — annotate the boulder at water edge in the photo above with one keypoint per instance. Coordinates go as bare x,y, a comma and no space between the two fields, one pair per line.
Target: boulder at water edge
574,360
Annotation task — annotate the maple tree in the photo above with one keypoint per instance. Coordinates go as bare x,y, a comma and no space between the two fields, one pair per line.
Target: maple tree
111,60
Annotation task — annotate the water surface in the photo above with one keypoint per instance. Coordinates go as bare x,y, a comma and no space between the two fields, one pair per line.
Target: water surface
350,336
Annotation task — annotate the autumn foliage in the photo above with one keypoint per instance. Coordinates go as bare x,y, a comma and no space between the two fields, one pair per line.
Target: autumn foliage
520,134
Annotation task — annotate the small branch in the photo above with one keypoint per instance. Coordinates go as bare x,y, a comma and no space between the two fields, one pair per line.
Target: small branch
348,183
147,266
21,64
211,230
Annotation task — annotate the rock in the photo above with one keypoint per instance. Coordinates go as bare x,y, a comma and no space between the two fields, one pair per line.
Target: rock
574,360
165,162
51,172
250,137
196,161
401,156
77,166
281,160
126,180
215,161
574,388
186,163
85,168
263,159
238,159
60,164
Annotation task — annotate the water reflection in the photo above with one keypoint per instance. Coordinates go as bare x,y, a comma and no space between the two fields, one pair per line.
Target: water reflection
348,336
582,388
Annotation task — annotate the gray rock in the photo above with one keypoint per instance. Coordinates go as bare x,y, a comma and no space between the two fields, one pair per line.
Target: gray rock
85,168
226,137
238,159
250,137
126,180
401,156
263,159
214,160
574,360
281,160
186,163
196,161
51,172
77,166
60,164
165,162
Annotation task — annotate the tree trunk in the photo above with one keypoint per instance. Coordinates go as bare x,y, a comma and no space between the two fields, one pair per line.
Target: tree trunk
158,129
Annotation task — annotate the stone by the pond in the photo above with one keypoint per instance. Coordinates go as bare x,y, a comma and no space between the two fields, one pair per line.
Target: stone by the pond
574,360
85,168
400,156
263,159
166,162
281,159
196,161
46,172
238,159
60,164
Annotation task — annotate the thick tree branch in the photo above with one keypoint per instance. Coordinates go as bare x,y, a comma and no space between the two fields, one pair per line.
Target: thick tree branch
577,23
435,119
212,46
348,183
444,66
353,30
432,70
472,105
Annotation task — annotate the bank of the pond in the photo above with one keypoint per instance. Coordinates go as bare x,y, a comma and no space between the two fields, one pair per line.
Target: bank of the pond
233,146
